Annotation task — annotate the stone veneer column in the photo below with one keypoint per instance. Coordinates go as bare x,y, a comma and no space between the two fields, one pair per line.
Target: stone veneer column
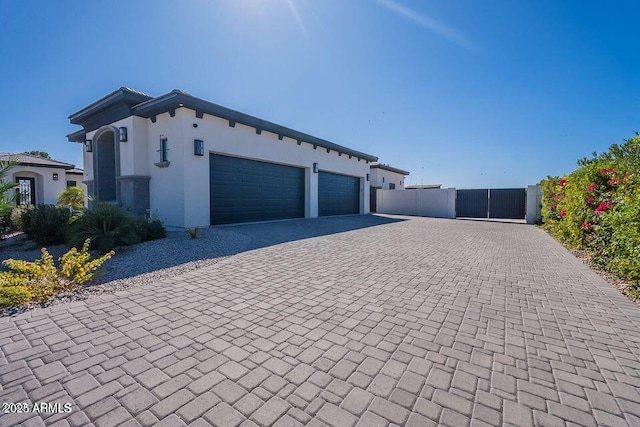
91,194
134,193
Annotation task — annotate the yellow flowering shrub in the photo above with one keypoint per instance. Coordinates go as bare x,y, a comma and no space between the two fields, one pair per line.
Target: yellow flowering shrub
13,290
78,265
40,279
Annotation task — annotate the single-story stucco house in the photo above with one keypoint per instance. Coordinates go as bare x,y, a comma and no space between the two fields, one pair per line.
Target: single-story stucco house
193,163
40,180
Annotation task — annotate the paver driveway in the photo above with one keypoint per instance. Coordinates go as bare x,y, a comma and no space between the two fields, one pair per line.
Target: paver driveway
416,322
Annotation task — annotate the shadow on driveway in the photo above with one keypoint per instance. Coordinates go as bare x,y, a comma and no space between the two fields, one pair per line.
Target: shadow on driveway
273,233
152,261
178,253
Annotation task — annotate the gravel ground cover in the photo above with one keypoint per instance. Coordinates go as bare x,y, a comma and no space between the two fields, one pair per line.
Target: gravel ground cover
138,264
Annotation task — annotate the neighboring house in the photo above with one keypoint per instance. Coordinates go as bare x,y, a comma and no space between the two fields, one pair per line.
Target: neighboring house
387,177
40,180
384,177
74,177
195,163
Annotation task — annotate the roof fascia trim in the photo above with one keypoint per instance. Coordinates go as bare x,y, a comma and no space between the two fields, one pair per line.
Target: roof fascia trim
390,169
178,99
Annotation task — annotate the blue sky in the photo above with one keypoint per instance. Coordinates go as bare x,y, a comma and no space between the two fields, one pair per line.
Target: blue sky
463,93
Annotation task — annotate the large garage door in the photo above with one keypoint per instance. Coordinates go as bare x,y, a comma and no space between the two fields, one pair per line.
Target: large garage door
247,190
338,194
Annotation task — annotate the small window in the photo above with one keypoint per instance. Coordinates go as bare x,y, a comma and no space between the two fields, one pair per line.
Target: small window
164,149
72,183
383,179
198,147
392,186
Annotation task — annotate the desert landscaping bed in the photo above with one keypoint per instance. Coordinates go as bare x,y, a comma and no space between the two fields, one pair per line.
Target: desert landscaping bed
134,265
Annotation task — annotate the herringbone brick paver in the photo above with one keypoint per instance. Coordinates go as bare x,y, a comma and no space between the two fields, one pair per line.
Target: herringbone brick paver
351,321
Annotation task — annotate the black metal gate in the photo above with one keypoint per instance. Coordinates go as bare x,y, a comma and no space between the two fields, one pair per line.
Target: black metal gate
508,203
472,203
503,203
373,201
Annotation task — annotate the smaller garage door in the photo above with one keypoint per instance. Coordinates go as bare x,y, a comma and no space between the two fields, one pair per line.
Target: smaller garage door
338,194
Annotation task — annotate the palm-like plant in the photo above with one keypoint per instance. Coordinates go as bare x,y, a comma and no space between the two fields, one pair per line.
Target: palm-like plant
72,197
7,195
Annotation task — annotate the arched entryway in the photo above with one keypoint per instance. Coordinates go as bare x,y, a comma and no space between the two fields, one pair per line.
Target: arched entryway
106,167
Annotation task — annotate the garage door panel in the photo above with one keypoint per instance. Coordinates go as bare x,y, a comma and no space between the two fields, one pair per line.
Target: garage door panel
338,194
245,190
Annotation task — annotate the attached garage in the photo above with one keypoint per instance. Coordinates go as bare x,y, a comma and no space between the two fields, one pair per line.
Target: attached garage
215,165
245,190
338,194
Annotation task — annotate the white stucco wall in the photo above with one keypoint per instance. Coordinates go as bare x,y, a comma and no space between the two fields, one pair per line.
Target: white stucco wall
437,203
377,175
242,141
47,189
179,193
167,185
534,204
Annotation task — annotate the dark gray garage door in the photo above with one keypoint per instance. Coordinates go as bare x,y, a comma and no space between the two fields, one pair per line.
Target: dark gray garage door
338,194
247,190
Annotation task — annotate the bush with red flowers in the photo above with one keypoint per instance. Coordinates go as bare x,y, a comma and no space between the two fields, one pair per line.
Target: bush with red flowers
597,208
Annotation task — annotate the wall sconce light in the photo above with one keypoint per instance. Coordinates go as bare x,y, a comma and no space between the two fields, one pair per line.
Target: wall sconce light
88,145
315,168
367,177
55,176
198,147
122,133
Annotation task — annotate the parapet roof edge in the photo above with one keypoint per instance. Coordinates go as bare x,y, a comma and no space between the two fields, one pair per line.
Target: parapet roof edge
177,98
389,168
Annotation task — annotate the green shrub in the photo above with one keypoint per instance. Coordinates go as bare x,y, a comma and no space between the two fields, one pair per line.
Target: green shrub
597,207
47,224
21,217
5,225
149,230
107,226
39,280
618,243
